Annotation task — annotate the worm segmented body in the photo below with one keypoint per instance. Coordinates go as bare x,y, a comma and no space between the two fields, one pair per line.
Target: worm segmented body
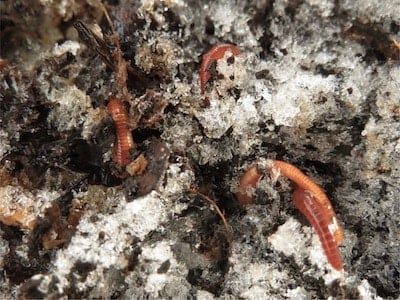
247,184
306,183
124,141
321,222
308,197
301,179
215,53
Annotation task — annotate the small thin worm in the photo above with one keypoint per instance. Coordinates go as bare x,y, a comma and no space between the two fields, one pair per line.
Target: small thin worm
215,53
124,141
320,221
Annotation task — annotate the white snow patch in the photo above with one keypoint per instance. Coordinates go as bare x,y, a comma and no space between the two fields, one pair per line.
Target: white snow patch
298,293
158,253
367,292
135,219
204,295
254,292
295,97
288,238
71,109
155,283
68,46
245,113
154,257
217,118
177,180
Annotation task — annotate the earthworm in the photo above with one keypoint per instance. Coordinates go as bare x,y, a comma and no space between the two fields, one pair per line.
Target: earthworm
308,197
124,141
215,53
301,179
247,184
306,183
321,222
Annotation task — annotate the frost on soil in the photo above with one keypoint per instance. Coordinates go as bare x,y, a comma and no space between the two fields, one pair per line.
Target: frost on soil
317,84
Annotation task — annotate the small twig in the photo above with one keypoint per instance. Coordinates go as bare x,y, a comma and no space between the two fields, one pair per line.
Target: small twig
121,69
220,214
95,43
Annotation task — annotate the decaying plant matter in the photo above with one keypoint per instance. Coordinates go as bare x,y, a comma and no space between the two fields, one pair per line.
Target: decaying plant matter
123,140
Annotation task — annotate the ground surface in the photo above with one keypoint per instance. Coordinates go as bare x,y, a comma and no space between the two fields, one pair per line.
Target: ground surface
317,83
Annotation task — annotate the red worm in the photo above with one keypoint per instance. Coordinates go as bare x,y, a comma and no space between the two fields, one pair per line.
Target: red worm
215,53
306,183
124,141
308,197
321,222
247,184
301,179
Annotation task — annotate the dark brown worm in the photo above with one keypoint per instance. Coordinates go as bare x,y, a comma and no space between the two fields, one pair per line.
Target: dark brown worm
321,221
124,141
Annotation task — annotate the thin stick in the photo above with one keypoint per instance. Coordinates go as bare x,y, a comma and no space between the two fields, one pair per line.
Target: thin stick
221,215
121,70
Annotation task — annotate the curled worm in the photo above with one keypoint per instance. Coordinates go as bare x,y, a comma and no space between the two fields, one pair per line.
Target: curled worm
308,197
301,179
215,53
306,183
124,141
247,184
